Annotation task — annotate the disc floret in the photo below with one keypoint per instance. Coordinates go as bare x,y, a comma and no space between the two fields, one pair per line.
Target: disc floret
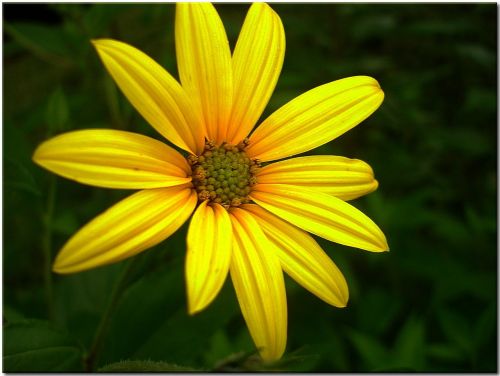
224,173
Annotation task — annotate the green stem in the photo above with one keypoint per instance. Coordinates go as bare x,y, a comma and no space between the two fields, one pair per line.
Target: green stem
120,284
48,216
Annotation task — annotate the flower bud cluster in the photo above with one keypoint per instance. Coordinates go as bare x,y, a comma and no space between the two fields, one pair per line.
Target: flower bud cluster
223,174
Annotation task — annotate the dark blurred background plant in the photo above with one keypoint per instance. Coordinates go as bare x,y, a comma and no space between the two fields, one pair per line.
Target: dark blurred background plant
428,305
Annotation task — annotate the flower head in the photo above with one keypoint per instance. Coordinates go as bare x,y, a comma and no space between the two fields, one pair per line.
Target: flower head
250,218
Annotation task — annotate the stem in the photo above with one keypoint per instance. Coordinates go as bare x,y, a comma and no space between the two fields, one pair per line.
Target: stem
100,334
48,216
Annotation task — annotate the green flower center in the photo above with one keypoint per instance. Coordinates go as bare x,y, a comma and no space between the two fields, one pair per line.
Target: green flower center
223,174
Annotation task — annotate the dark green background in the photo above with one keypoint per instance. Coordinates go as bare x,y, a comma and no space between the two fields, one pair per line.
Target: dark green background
428,305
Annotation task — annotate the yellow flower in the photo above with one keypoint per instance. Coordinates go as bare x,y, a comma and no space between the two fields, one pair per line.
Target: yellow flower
248,219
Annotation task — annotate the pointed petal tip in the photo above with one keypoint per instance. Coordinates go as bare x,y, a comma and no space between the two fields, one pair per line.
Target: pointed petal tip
368,80
376,85
382,95
40,151
382,248
193,310
379,93
386,245
380,243
62,266
264,5
195,306
36,155
59,268
337,301
97,42
345,298
100,44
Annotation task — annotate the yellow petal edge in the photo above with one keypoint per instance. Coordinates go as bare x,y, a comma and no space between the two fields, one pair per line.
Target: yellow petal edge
113,159
341,177
204,63
133,225
315,118
321,214
302,258
258,280
157,96
209,244
257,61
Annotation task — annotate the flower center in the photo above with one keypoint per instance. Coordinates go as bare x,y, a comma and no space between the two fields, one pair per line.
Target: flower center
223,174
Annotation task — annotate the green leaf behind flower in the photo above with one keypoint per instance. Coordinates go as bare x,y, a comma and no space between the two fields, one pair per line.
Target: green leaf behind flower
144,366
35,346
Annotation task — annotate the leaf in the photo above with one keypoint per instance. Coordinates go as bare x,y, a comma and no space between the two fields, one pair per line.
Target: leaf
100,17
137,366
134,323
456,328
187,337
445,352
250,361
299,360
410,344
11,314
82,298
371,350
384,310
151,320
65,223
478,54
219,347
238,362
19,169
57,113
19,177
484,328
43,41
34,346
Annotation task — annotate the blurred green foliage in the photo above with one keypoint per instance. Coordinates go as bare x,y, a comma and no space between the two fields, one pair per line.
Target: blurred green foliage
428,305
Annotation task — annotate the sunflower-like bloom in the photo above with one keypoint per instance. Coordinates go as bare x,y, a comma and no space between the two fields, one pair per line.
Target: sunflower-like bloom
249,218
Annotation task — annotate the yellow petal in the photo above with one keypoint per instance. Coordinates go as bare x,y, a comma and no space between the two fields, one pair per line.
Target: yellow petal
321,214
154,93
258,280
113,159
257,61
209,244
302,258
204,62
315,117
341,177
135,224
